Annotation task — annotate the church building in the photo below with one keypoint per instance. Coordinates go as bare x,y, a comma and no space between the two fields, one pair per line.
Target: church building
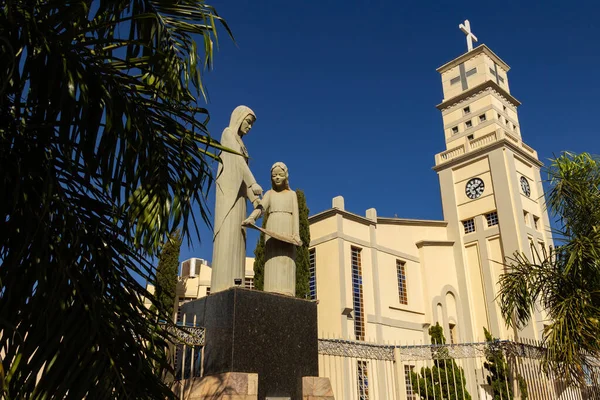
386,279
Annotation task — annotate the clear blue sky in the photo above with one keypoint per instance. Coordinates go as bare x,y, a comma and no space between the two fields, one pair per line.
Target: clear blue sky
345,91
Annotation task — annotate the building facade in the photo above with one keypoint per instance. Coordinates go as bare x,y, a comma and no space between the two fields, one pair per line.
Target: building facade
389,279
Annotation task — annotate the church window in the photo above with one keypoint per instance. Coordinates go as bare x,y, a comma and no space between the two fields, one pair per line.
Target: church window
492,218
455,130
526,217
401,273
357,295
452,333
482,118
536,223
469,225
249,283
312,270
468,124
410,392
362,377
467,110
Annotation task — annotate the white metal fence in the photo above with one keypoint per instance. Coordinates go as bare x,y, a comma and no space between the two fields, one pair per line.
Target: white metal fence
499,370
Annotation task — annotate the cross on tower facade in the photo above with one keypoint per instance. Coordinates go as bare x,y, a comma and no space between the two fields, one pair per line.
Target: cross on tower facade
466,28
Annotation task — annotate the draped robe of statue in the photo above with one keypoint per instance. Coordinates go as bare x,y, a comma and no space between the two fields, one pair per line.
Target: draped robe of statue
280,257
234,179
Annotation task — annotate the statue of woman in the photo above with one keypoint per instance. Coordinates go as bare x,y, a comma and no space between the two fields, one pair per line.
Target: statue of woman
235,183
281,204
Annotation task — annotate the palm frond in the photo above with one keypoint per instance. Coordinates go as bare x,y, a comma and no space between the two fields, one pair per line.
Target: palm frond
104,153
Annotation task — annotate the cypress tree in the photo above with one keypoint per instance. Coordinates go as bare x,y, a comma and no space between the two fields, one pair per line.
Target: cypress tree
166,274
302,255
259,258
497,367
445,379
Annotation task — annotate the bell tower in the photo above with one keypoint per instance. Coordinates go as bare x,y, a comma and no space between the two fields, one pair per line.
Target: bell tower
490,183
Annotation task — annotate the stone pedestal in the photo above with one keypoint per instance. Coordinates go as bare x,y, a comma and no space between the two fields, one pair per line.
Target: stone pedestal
316,388
227,386
268,334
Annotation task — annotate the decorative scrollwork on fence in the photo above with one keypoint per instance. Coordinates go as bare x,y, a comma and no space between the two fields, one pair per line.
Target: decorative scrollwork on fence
442,351
355,349
190,336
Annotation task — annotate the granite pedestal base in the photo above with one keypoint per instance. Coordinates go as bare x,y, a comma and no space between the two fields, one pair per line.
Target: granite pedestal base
251,331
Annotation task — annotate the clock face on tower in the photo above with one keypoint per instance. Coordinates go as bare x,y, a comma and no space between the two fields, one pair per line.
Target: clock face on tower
525,186
474,188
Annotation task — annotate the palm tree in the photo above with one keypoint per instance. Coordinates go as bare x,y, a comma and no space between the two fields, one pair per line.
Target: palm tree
103,153
566,280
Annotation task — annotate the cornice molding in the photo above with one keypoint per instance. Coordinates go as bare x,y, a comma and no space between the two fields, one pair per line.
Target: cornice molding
438,243
487,149
477,51
477,91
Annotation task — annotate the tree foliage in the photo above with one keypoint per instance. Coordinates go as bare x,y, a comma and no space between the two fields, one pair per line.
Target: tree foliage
166,275
302,255
445,380
563,281
103,152
495,364
259,257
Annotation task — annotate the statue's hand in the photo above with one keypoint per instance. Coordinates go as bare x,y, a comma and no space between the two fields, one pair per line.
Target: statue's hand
248,221
297,239
256,189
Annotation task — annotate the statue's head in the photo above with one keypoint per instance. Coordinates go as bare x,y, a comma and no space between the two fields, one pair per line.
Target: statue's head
242,119
279,177
246,124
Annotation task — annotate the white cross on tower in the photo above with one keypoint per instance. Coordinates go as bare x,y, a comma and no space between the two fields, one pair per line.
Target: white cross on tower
466,28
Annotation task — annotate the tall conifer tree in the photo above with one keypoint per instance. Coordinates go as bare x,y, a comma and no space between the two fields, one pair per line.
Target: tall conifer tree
259,258
166,274
445,380
302,255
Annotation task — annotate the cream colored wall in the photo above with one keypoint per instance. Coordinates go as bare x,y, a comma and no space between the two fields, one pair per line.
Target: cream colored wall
323,228
381,245
330,307
403,237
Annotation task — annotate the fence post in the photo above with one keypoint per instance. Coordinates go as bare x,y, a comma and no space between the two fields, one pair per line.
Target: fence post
399,375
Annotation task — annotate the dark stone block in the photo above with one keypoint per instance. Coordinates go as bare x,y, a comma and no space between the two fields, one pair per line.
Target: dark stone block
265,333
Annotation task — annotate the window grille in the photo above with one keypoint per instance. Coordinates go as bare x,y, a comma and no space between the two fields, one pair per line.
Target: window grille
402,293
469,225
357,295
362,375
249,283
410,392
312,269
452,334
492,218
